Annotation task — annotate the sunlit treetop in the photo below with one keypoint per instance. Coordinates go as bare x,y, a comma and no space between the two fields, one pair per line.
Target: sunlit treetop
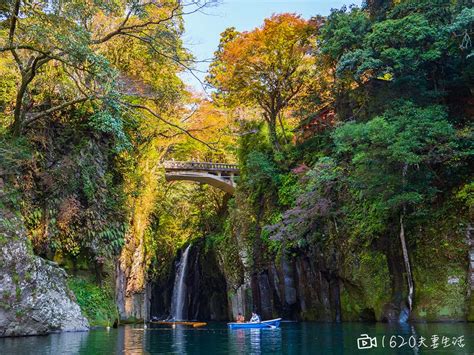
268,67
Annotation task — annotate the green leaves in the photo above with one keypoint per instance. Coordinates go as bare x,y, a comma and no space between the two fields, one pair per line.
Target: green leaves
409,134
410,31
343,32
97,303
463,27
401,46
261,171
111,122
393,155
289,189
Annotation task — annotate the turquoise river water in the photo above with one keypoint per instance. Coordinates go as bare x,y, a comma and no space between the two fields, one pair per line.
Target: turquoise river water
291,338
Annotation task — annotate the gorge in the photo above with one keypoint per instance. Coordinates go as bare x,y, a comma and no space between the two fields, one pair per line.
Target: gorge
326,175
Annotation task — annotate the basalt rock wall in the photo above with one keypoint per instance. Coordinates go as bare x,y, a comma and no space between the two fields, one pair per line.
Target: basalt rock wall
206,290
293,289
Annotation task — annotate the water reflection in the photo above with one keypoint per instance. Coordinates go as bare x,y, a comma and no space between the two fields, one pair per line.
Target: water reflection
179,345
237,340
255,341
292,338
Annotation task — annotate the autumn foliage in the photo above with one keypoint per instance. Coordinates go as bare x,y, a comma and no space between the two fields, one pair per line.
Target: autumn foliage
268,67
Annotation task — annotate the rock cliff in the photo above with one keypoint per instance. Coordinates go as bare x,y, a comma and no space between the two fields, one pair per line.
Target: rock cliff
34,297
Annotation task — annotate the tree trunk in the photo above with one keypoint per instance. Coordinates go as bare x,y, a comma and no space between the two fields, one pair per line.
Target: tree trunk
18,114
406,260
273,134
282,129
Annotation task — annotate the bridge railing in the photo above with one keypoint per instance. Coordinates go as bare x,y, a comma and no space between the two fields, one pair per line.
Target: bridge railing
195,165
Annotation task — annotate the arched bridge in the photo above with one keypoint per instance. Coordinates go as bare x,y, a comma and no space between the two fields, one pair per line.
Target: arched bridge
219,175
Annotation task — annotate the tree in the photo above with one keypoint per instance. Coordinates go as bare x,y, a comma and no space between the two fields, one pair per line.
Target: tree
269,67
101,77
377,8
73,35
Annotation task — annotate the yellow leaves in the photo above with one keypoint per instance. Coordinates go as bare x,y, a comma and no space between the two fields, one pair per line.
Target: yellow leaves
258,61
269,67
9,78
102,24
210,124
386,77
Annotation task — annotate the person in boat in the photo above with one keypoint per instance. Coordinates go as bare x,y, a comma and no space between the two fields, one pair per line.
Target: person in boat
255,318
240,318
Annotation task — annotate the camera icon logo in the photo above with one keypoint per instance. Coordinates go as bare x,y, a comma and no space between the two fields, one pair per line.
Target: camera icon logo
366,342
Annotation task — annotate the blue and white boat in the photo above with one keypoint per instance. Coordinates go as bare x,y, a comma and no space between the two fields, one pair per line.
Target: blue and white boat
266,324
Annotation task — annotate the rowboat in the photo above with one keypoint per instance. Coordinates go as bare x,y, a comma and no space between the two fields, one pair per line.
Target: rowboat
186,323
266,324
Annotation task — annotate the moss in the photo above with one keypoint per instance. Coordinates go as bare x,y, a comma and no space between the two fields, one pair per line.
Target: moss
351,306
16,278
367,285
435,298
28,276
310,314
440,255
20,313
3,239
470,314
18,293
96,302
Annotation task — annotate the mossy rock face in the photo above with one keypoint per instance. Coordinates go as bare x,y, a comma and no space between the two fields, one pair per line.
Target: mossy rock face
310,314
470,315
351,304
440,270
96,302
367,286
35,298
440,294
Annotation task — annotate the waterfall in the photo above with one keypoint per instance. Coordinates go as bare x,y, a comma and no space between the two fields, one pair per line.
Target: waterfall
179,289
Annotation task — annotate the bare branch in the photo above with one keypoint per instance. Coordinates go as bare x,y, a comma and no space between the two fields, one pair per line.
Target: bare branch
11,34
16,47
185,131
77,81
149,42
184,119
58,108
122,29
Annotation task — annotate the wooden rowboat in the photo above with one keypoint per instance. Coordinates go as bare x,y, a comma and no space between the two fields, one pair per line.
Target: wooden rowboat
189,324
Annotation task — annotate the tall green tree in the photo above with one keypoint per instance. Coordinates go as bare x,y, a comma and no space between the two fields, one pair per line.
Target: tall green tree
71,37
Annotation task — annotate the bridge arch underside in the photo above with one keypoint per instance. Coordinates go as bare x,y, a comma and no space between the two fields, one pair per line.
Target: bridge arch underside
224,184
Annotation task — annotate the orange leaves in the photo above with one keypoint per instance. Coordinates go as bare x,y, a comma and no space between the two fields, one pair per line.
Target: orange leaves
269,68
271,57
283,34
68,209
